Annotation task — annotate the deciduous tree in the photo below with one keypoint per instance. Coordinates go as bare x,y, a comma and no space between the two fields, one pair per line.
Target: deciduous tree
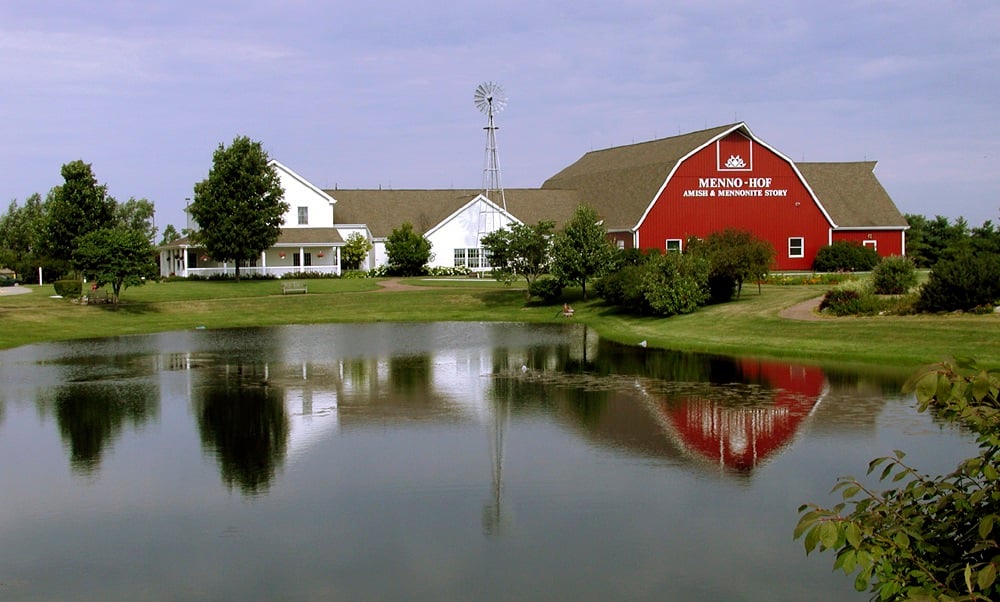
355,250
408,251
74,208
927,537
520,250
581,250
239,207
117,256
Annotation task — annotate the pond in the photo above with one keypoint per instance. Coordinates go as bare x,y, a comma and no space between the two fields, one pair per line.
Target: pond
428,462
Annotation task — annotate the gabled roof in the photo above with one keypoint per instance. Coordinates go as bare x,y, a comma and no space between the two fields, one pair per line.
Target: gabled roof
621,182
852,195
384,210
288,237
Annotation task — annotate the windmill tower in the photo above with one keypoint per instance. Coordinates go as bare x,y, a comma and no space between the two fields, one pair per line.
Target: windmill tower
490,100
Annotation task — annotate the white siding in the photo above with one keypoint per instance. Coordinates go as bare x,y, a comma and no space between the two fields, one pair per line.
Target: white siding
300,193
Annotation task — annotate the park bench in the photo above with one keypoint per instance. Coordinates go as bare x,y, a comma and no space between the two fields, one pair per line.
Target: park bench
293,286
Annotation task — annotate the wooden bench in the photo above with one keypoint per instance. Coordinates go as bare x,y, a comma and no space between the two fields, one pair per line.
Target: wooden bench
294,286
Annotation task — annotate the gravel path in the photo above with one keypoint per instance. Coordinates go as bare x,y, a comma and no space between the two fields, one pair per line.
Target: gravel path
807,310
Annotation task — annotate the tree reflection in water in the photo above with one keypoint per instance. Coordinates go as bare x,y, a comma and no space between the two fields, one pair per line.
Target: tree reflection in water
92,415
242,421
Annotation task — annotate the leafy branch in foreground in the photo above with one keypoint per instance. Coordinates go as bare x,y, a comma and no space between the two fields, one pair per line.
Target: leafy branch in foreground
928,538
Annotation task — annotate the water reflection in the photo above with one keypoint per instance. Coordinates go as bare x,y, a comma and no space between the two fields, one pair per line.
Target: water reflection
424,461
261,395
92,416
243,422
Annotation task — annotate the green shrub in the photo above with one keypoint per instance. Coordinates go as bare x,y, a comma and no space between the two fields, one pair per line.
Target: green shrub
623,288
68,288
851,302
894,276
963,283
845,256
676,284
547,289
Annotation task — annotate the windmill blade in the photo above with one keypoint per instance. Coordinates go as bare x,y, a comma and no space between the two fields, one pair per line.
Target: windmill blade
490,97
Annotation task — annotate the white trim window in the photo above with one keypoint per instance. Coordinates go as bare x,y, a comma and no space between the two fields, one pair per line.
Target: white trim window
459,258
796,247
303,216
870,243
675,245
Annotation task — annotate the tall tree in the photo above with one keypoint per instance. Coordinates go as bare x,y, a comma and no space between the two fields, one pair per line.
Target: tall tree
21,231
239,207
520,250
74,208
581,250
170,234
408,251
137,214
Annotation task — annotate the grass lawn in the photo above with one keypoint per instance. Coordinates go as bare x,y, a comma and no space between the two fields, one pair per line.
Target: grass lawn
750,326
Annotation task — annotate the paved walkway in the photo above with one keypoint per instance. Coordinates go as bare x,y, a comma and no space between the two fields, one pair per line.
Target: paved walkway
394,285
14,290
807,310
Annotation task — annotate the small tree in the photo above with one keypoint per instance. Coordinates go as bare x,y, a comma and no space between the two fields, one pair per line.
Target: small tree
581,250
119,257
408,251
239,207
734,256
929,537
355,250
520,250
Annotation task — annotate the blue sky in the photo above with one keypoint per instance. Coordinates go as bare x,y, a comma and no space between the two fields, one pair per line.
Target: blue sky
380,93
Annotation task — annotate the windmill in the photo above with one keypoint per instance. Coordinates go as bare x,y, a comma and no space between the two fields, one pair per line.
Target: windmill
490,100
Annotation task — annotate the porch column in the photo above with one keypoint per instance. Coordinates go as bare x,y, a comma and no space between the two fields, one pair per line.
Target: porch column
263,263
340,268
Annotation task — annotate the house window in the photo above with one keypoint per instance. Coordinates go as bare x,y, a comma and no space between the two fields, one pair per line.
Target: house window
459,258
620,243
870,243
674,245
303,216
297,256
797,247
473,255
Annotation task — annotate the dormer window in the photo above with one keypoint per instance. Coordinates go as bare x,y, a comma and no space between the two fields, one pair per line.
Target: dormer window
303,216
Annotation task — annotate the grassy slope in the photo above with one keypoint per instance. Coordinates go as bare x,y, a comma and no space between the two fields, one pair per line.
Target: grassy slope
750,326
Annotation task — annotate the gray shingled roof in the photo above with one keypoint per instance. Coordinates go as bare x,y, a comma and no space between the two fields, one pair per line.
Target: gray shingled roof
289,237
385,210
852,195
620,182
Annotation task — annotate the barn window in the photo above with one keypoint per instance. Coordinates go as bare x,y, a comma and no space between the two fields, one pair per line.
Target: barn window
459,258
870,243
796,247
674,245
303,216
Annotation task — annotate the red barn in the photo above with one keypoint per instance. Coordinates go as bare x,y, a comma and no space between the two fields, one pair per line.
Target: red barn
656,195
